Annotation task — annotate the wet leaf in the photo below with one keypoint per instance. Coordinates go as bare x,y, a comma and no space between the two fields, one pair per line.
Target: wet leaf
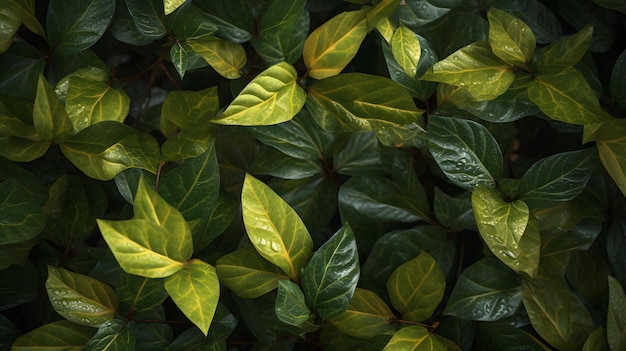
510,38
415,338
148,16
406,49
290,305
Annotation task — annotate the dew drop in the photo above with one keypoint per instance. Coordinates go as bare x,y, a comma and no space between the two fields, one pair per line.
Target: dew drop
274,246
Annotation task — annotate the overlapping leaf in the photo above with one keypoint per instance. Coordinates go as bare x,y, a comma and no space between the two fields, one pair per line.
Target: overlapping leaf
290,304
112,335
381,11
227,58
60,334
611,145
171,5
21,216
510,38
415,338
148,17
367,316
406,49
565,52
140,294
49,117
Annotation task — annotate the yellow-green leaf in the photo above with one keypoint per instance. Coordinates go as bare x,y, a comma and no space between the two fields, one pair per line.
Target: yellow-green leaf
367,316
196,290
510,38
329,49
415,338
476,68
610,138
60,335
49,116
10,17
565,52
406,49
382,10
170,6
79,298
272,97
227,58
274,228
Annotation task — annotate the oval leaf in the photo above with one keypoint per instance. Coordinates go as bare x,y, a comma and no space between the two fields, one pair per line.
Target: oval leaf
329,49
416,288
226,58
406,49
112,336
565,52
415,338
272,97
274,228
195,289
290,305
79,298
367,316
49,117
21,216
61,335
330,277
510,38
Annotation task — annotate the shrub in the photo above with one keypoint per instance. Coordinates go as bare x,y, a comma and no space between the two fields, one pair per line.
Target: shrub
291,174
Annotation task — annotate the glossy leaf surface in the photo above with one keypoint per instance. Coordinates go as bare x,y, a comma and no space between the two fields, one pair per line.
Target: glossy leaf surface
329,279
61,335
195,289
227,58
290,305
112,335
416,287
510,38
140,294
271,97
274,228
171,5
611,146
565,52
148,17
406,50
415,338
49,116
367,316
79,298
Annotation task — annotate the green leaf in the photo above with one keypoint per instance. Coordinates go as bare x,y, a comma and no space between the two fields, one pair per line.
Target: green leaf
286,44
381,11
10,17
595,341
290,305
565,52
234,19
49,116
465,151
330,277
362,154
74,27
19,284
423,12
180,58
222,326
367,316
414,338
89,102
273,162
140,294
506,337
112,335
556,313
330,47
171,5
416,288
356,102
12,125
21,67
406,49
247,274
272,97
105,149
618,85
227,58
274,228
486,291
566,96
195,289
557,178
21,216
612,4
616,319
22,150
148,16
15,254
510,38
611,145
543,22
454,212
79,298
507,229
280,15
60,335
476,68
190,23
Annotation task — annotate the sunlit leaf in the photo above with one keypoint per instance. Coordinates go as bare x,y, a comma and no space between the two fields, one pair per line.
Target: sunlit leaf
79,298
510,38
329,279
565,52
272,97
416,288
227,58
415,338
60,335
274,228
290,305
543,22
171,5
382,10
49,116
611,145
10,17
406,49
195,289
616,319
329,49
367,316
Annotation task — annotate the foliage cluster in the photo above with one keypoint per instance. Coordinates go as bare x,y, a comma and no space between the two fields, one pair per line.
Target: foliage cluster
321,174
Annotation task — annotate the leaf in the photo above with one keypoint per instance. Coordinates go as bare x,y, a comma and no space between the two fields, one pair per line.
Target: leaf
180,58
406,50
367,316
148,16
105,149
612,4
49,116
60,335
557,178
357,102
274,228
595,341
140,294
618,86
381,11
565,52
10,16
544,24
416,288
21,216
510,38
21,67
279,16
414,338
247,274
423,12
454,212
485,291
330,277
195,289
271,97
234,19
506,337
74,27
616,319
89,102
290,305
465,151
330,47
272,162
362,154
171,5
19,284
507,229
475,68
287,44
227,58
556,313
565,96
611,146
79,298
112,335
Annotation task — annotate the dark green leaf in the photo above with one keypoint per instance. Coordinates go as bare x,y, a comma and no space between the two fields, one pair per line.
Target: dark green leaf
582,13
190,23
422,12
465,151
8,333
279,16
22,150
180,58
362,154
74,27
616,319
544,24
290,305
504,336
140,294
615,246
415,338
152,336
148,16
330,277
454,31
21,216
234,18
333,339
61,335
112,335
360,102
454,212
416,288
15,254
123,27
618,85
612,4
486,291
272,162
557,178
21,67
217,220
287,44
18,284
367,316
223,324
565,52
595,341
